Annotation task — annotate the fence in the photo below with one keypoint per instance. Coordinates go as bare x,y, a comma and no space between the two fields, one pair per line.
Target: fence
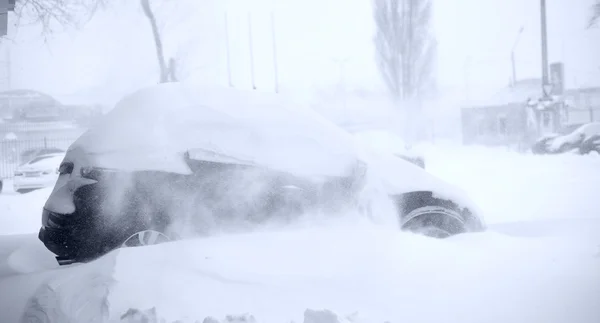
15,152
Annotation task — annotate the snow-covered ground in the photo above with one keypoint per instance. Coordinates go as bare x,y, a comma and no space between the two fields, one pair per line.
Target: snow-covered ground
539,261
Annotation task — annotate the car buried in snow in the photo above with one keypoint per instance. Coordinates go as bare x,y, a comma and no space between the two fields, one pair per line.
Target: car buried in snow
579,139
174,161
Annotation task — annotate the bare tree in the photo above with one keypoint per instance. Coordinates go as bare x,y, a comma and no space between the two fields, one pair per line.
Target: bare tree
595,14
167,72
405,50
56,13
74,13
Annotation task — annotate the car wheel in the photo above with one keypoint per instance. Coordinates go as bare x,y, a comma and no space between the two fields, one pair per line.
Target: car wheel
145,238
434,221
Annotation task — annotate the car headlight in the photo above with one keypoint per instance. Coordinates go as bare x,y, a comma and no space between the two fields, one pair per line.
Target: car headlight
95,173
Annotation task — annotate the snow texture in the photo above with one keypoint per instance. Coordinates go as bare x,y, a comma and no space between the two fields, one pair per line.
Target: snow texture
538,262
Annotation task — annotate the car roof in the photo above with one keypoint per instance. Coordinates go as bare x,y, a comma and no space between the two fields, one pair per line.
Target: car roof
268,129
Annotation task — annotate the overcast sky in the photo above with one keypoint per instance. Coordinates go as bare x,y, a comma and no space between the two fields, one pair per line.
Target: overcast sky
114,53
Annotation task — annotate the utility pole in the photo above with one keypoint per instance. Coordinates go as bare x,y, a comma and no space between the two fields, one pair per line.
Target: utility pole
545,80
466,78
274,40
342,81
228,51
8,70
251,50
512,56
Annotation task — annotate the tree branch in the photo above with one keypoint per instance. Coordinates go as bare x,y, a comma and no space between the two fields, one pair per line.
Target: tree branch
595,15
56,13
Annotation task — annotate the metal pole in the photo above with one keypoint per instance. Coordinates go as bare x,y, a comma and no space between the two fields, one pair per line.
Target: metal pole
590,109
514,70
512,55
227,49
544,43
274,40
251,50
342,78
8,70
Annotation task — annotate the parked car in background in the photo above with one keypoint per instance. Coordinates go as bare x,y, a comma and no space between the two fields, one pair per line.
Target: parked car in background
30,154
171,162
578,139
39,172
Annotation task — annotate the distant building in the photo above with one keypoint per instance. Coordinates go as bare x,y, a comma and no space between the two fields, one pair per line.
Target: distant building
584,105
19,105
504,119
507,118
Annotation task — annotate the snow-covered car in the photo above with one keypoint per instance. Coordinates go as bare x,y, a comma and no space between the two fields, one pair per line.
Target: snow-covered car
174,161
580,139
39,172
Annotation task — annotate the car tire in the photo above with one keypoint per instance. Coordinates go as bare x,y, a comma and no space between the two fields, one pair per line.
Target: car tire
434,221
424,213
145,238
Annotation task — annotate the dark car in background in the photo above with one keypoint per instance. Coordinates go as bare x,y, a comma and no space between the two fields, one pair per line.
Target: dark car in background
580,139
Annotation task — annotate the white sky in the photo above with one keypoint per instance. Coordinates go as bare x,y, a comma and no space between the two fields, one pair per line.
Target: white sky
114,53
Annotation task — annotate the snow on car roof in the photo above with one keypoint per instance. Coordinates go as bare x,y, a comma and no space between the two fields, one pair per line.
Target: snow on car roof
589,129
152,127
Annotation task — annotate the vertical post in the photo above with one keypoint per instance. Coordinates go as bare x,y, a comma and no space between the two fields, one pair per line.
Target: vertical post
274,40
227,49
466,76
512,56
544,42
8,70
514,69
45,142
590,108
251,50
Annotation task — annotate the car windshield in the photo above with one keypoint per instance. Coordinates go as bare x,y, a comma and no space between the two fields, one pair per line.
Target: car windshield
307,161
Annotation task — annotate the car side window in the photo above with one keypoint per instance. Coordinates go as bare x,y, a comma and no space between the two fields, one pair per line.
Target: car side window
65,168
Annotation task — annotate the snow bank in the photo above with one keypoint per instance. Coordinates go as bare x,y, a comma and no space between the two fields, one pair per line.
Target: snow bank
521,272
509,186
22,213
382,274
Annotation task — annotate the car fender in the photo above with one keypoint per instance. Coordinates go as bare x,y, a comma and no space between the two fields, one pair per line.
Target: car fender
398,177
